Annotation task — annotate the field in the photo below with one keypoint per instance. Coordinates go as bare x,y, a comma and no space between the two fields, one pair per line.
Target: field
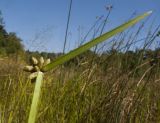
111,86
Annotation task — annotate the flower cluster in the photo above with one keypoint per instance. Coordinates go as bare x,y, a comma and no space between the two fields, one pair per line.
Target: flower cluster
36,66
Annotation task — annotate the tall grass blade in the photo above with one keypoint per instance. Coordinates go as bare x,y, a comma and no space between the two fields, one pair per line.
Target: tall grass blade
93,42
35,100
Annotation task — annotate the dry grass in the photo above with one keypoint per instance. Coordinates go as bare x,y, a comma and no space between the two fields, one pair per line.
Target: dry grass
83,95
100,89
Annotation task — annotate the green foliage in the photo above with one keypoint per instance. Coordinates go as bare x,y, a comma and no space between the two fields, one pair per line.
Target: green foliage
9,42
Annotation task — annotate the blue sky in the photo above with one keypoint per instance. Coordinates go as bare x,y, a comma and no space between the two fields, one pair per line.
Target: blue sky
41,23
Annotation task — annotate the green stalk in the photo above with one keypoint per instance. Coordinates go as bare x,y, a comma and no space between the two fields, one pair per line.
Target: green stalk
72,54
35,100
93,42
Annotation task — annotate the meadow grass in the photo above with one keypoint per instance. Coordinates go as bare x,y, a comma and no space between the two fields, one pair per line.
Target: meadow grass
100,89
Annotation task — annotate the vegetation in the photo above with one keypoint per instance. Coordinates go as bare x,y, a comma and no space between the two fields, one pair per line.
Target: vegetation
118,85
9,42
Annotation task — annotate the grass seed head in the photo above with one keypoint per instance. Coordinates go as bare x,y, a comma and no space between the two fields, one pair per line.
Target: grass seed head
28,68
34,61
41,62
47,61
36,68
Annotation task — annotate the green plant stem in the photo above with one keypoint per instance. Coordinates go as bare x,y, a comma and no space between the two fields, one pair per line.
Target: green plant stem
94,42
35,100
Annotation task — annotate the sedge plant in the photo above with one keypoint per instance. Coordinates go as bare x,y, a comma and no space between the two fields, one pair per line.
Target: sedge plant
62,59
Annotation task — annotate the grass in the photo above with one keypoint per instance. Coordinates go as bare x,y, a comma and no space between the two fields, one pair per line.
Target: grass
93,42
36,96
106,89
73,54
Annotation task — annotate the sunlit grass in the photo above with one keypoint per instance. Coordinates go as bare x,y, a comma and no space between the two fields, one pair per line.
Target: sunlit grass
72,54
102,91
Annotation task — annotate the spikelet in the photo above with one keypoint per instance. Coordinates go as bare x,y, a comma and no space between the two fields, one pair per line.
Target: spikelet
28,68
41,62
47,62
36,68
34,61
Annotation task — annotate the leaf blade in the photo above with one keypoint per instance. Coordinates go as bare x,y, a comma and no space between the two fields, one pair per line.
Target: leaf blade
90,44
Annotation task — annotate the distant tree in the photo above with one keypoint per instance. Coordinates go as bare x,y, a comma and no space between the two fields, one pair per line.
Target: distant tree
1,19
13,44
9,42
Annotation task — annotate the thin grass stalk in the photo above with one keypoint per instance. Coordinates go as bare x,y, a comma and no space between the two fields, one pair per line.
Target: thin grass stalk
35,100
104,24
94,42
68,20
89,31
